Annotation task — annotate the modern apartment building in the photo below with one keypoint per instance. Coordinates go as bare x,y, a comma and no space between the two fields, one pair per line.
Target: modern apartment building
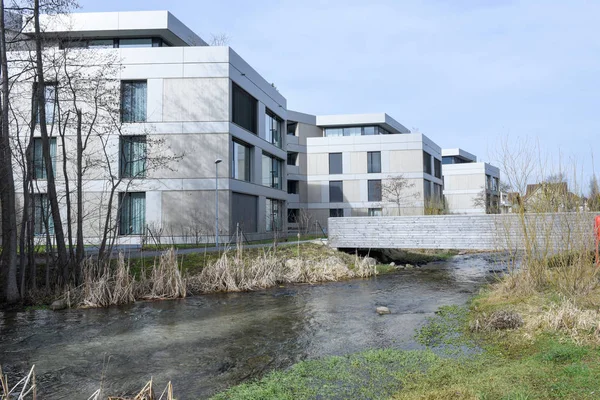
349,165
470,187
194,139
181,101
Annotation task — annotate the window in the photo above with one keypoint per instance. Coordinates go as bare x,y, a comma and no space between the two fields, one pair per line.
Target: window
375,212
293,186
129,43
495,184
132,218
427,163
293,214
133,101
374,188
274,214
437,192
272,171
336,191
50,100
101,44
245,109
427,189
291,128
133,156
374,162
42,219
335,163
355,131
273,128
437,168
244,212
39,166
336,212
292,158
240,162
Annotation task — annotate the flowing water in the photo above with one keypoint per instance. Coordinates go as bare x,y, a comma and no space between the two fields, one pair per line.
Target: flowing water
208,343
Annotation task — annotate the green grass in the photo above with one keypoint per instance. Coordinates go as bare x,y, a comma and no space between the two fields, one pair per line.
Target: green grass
500,365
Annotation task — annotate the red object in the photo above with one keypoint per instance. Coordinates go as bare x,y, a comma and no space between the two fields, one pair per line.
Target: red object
597,234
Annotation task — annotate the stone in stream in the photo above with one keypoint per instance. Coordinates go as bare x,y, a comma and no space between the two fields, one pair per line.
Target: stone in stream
392,264
382,310
409,266
58,305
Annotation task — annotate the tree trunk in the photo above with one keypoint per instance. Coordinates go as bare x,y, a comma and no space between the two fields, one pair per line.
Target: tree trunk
7,183
52,195
80,253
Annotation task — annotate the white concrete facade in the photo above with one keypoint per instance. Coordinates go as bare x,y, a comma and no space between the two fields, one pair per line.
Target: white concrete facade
470,187
398,152
189,111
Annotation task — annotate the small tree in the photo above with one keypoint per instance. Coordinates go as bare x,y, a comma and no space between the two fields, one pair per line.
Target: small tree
397,189
594,196
487,201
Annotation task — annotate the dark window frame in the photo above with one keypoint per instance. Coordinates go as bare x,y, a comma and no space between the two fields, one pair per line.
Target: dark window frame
334,164
374,190
373,166
336,192
130,116
252,124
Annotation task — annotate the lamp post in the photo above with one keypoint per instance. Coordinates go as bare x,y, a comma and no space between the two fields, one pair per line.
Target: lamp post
217,162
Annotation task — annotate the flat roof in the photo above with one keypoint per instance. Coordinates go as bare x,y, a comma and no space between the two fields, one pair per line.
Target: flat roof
123,24
381,119
457,152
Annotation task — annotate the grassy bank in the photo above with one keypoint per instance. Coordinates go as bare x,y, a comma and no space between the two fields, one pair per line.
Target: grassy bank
533,335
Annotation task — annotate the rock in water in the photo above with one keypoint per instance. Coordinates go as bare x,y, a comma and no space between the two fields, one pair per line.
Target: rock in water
58,305
382,310
392,264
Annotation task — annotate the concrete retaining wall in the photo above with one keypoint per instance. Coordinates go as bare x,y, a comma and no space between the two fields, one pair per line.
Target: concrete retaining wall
546,232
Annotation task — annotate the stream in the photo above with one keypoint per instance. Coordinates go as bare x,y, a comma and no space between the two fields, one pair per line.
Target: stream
208,343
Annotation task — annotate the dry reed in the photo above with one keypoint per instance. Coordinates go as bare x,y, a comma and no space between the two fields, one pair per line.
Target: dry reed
24,389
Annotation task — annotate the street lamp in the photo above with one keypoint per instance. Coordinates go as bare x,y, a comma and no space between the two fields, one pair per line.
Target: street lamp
217,162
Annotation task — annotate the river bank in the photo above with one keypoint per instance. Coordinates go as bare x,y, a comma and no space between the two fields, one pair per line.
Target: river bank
171,275
206,344
535,334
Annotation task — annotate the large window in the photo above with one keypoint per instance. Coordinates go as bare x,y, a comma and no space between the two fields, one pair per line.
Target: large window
50,100
129,43
355,131
293,215
427,189
133,101
437,192
437,168
374,187
374,162
112,43
291,128
132,216
273,128
133,156
454,160
292,158
245,109
39,166
336,212
244,212
272,171
427,163
336,191
274,220
375,212
240,162
42,219
335,163
293,186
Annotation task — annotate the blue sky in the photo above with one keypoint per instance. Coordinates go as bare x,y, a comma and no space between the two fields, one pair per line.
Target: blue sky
462,72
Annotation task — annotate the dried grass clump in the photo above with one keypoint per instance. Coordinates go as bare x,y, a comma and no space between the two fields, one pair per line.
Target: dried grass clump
24,389
234,272
165,281
497,321
147,393
104,286
582,325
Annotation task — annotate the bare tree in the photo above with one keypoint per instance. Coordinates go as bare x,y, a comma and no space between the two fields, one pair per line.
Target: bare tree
594,194
397,189
219,39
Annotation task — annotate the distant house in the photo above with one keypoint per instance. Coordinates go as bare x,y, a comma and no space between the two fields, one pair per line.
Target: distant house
550,197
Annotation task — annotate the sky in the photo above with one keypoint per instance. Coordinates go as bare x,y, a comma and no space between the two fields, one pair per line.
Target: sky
466,73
